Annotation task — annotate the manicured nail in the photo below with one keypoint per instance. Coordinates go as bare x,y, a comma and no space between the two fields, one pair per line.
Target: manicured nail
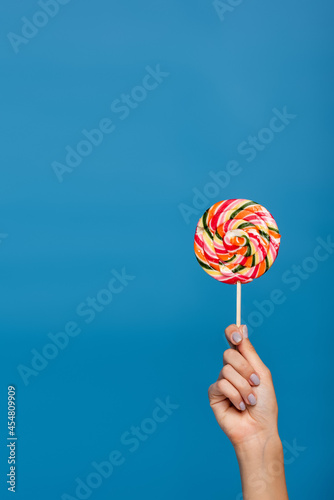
242,406
255,379
245,331
236,337
252,399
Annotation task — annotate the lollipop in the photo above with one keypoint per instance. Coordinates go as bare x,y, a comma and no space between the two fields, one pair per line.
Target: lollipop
236,241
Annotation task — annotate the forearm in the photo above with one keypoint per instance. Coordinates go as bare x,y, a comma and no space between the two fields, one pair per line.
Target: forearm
261,463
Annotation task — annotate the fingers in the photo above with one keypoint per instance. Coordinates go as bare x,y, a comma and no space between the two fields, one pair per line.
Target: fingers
248,351
222,390
240,384
242,372
233,334
241,366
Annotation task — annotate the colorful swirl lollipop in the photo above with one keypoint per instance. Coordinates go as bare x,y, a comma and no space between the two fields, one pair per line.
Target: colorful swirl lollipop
236,241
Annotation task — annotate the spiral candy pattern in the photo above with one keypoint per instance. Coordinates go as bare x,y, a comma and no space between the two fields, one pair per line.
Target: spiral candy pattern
236,241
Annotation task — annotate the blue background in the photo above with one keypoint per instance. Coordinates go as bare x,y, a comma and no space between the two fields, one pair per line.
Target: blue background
163,335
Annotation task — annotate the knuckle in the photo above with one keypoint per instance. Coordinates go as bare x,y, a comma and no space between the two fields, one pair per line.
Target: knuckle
222,385
210,391
227,355
226,370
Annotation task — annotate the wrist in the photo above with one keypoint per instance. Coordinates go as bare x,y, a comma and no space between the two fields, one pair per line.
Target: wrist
266,443
261,462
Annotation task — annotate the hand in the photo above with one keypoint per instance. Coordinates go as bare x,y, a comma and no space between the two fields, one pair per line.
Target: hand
243,398
244,403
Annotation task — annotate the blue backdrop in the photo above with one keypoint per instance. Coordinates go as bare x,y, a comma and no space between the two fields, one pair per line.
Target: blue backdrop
121,123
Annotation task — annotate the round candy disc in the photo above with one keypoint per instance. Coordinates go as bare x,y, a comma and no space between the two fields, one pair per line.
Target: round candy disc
236,241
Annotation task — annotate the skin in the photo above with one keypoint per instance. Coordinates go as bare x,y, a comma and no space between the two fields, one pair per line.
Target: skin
251,428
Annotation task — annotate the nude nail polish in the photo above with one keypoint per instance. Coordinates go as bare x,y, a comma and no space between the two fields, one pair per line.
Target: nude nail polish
255,379
236,337
252,399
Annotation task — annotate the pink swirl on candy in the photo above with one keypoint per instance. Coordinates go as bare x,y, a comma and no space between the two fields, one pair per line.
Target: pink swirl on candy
236,241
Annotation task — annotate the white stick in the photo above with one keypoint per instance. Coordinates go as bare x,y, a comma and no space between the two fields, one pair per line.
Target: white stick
238,303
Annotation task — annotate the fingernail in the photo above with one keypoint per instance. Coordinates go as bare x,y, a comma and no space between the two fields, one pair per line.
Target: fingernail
252,399
255,379
242,406
236,337
245,331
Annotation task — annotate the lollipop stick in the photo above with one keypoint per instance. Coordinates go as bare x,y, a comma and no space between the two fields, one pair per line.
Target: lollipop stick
238,303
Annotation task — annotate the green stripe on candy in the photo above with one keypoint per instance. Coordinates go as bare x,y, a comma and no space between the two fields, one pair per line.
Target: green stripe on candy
265,235
249,251
238,268
205,266
273,229
246,224
242,208
267,264
229,260
248,245
204,218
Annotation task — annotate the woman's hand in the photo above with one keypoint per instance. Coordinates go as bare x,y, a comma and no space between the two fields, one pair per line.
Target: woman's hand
243,398
244,403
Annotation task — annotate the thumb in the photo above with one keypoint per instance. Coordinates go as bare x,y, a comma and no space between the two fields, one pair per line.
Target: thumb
248,351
